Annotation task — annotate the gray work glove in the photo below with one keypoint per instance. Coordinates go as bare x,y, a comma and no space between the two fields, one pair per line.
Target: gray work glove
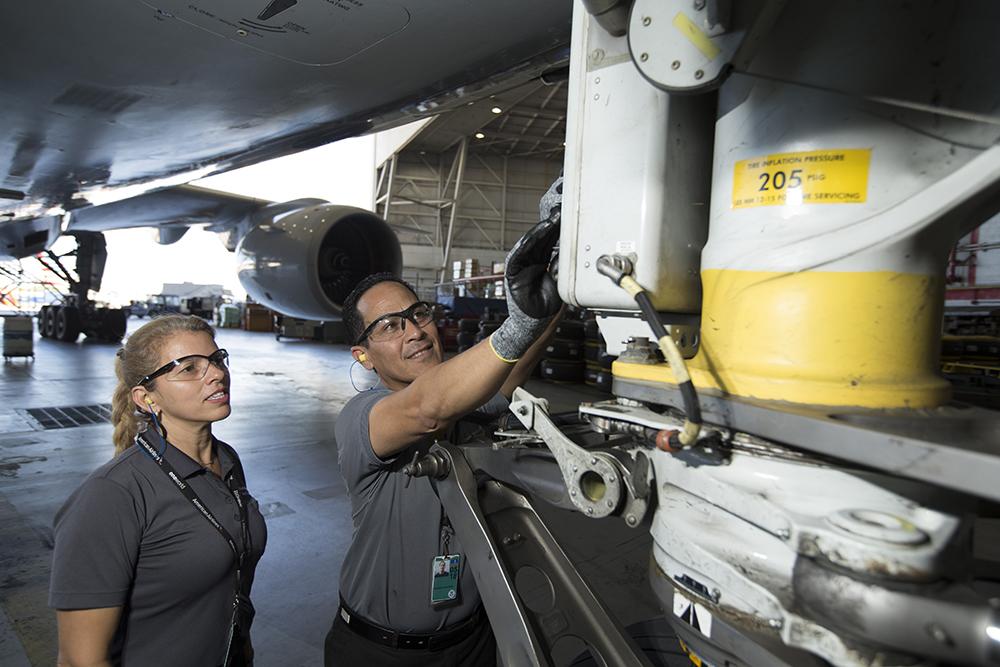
532,294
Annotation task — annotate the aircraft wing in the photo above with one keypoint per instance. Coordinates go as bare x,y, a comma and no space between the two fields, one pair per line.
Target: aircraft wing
98,95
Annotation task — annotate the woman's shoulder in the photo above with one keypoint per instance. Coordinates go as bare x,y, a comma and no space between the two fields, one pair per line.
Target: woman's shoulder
124,469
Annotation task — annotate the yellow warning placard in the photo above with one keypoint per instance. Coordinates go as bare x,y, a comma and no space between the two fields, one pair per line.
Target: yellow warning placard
837,176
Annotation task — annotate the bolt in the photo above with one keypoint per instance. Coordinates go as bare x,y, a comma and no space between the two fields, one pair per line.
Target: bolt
590,510
699,5
241,32
698,74
784,533
646,20
675,65
575,468
593,461
643,57
939,635
573,492
775,623
523,411
630,520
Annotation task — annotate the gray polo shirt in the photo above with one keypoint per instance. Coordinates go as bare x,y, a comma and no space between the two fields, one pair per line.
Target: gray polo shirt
128,537
386,575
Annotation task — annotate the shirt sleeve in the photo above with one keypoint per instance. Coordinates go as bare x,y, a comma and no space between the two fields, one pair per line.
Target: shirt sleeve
354,442
97,535
495,407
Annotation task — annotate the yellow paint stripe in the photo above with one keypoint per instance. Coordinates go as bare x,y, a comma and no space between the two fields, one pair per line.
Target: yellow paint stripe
695,35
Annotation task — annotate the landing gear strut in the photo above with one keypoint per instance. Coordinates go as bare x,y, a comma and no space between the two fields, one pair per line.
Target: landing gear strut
78,313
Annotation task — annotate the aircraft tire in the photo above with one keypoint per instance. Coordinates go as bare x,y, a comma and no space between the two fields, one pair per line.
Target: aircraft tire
68,324
41,321
50,321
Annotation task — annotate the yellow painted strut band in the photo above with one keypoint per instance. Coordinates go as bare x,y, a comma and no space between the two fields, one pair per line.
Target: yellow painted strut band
865,339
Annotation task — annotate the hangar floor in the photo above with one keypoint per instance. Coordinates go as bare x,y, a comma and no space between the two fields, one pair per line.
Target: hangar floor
286,397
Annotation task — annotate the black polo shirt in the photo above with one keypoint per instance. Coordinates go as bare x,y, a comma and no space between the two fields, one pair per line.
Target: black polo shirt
128,537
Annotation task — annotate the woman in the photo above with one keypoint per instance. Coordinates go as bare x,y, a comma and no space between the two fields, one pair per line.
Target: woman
141,575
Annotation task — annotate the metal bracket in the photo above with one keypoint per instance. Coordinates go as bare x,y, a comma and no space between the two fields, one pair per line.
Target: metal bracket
593,478
502,536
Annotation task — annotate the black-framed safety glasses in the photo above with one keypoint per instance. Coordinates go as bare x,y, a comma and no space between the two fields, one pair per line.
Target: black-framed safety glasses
190,368
392,325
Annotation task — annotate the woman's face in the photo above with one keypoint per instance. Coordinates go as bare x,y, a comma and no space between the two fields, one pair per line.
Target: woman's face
195,401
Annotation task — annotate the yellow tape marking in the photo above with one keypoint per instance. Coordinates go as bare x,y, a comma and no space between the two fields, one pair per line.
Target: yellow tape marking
810,177
695,35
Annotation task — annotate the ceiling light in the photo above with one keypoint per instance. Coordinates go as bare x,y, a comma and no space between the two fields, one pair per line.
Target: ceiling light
496,110
480,135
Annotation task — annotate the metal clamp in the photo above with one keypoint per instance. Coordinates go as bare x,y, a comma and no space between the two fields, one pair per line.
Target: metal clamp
592,478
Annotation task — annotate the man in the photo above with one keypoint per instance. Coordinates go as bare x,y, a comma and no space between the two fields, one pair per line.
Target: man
394,611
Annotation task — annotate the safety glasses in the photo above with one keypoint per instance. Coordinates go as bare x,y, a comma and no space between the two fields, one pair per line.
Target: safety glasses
190,368
392,325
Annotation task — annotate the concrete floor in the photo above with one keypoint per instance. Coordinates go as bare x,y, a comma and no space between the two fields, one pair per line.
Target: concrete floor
286,396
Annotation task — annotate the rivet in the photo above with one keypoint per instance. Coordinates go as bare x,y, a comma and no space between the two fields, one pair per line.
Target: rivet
643,57
630,520
699,74
586,247
646,20
675,65
593,461
597,96
586,265
597,79
590,510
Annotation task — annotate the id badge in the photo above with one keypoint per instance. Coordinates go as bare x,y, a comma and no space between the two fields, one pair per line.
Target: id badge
444,580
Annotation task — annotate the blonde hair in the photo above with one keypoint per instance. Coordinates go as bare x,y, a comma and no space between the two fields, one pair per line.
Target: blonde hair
138,358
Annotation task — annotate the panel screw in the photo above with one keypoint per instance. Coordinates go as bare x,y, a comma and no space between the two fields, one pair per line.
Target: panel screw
675,65
939,635
643,57
646,20
699,74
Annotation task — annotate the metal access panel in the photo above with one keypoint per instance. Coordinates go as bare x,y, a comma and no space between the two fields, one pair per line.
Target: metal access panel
637,177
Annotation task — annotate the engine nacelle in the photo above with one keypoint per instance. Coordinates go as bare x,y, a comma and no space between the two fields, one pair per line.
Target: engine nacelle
303,258
24,238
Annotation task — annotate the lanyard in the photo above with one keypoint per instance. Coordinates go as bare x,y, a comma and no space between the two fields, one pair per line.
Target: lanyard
185,488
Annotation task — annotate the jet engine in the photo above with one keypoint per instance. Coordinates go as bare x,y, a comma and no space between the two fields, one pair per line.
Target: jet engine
302,258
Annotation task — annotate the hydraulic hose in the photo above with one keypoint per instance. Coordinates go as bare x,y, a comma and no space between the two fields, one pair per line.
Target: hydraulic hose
619,269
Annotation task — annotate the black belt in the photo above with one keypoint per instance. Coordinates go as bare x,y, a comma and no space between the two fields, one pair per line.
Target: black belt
443,638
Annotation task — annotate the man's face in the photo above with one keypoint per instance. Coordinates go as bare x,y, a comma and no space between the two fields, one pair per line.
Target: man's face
401,360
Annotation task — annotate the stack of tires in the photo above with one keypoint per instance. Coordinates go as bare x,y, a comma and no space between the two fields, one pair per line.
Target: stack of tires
448,331
468,329
563,360
598,361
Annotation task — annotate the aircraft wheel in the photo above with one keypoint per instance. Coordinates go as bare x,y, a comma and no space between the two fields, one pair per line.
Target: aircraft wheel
50,321
68,324
42,312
